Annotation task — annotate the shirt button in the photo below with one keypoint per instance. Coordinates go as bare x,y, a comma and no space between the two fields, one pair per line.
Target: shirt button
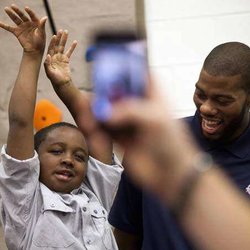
52,205
88,242
95,211
84,209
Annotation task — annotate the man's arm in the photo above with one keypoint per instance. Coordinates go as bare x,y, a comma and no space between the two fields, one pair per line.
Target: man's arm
30,32
165,160
78,103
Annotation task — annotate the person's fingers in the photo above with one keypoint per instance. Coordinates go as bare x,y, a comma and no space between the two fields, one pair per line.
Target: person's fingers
152,88
51,47
20,13
42,24
32,15
13,16
7,27
148,85
71,49
130,111
57,40
63,41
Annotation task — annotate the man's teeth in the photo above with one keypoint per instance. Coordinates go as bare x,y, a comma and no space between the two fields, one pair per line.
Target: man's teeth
211,122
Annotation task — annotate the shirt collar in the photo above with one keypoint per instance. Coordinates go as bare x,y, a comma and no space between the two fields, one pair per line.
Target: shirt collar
53,201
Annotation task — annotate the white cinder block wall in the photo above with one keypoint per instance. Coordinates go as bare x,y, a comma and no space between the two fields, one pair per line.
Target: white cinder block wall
180,35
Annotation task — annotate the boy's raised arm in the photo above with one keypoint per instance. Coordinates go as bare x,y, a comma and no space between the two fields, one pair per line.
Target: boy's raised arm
78,103
30,32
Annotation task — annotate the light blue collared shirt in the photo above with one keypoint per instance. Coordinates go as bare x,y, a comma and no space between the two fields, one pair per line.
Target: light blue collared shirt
34,217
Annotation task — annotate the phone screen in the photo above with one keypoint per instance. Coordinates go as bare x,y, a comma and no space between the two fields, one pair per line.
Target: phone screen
119,71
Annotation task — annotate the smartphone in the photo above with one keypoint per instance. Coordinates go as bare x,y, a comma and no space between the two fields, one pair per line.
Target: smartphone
119,70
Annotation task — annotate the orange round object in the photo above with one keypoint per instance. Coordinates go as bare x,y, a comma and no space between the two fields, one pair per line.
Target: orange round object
46,113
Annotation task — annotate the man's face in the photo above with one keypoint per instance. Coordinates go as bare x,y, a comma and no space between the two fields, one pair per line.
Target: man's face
223,106
63,159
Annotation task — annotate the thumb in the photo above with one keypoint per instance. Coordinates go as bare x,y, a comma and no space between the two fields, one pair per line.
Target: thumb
47,60
47,64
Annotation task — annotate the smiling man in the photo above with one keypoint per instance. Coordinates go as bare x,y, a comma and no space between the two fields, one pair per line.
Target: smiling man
222,92
220,126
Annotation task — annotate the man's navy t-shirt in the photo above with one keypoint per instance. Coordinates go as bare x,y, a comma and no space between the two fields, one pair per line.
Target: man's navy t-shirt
141,213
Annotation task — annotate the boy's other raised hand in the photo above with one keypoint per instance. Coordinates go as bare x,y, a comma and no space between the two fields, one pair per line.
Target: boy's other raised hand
57,61
29,29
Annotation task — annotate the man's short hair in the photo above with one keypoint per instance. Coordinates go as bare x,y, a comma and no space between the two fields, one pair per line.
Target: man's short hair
230,59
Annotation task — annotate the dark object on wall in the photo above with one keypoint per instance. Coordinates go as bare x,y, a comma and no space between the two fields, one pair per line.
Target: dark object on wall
50,17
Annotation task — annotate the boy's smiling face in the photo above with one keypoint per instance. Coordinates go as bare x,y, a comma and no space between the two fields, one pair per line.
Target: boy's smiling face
63,159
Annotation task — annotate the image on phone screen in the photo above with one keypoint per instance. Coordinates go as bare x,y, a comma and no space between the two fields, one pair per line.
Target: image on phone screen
119,71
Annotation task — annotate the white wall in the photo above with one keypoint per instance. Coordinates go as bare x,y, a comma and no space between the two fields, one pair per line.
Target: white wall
180,35
80,18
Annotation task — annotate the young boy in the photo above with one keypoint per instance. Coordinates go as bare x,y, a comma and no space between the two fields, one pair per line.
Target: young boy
46,202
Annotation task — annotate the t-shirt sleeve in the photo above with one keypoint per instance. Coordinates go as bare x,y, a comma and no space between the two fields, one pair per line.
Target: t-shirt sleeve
126,212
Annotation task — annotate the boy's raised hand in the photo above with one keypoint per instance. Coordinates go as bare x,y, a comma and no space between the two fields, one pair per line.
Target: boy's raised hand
29,29
57,61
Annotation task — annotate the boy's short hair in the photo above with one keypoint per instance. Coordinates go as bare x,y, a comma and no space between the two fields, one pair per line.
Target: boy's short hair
41,135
